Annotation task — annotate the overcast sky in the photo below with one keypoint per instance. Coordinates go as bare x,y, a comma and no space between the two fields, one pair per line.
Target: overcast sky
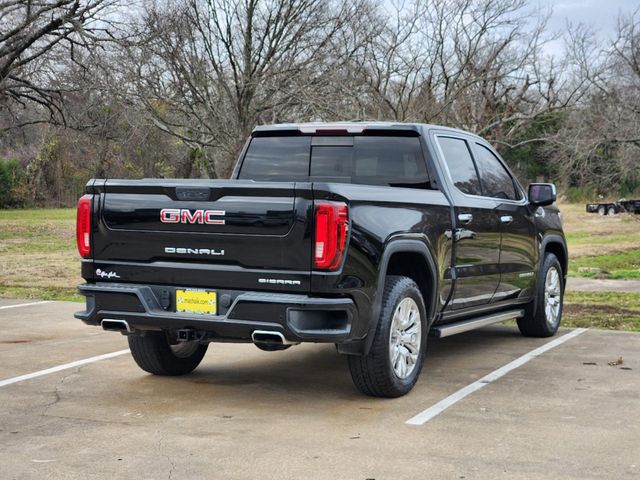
601,15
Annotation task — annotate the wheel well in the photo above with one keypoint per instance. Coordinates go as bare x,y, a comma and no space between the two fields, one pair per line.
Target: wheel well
558,251
416,267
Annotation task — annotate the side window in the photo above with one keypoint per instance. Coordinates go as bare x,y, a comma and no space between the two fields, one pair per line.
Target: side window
496,181
461,166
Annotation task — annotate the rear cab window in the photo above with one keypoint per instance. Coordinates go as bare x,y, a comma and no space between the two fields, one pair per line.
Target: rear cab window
277,159
384,160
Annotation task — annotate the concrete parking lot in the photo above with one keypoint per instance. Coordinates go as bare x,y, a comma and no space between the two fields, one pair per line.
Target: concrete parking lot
245,413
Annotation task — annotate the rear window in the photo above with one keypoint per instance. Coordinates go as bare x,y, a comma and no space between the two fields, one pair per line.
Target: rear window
370,160
277,159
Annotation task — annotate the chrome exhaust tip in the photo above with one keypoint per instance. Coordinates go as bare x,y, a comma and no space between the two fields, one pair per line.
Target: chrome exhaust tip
266,336
113,325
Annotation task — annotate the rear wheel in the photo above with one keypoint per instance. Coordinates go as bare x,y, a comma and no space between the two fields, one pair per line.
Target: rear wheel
393,364
611,211
542,316
154,354
602,210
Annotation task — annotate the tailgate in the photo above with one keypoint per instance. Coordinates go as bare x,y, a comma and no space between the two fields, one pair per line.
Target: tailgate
208,233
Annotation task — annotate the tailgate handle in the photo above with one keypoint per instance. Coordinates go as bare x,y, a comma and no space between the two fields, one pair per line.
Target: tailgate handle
192,194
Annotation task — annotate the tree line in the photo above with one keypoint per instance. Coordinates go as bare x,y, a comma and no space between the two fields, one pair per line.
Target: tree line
172,88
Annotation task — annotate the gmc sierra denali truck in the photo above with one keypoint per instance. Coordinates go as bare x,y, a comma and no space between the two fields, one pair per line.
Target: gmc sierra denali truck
366,235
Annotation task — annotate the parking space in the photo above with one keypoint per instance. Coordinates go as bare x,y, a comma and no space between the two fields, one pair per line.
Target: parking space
245,413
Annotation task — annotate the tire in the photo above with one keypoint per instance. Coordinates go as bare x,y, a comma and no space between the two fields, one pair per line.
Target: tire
602,210
153,353
376,374
543,315
611,211
271,347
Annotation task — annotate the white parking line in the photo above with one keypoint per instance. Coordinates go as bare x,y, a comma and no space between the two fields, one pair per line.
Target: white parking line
77,363
431,412
25,304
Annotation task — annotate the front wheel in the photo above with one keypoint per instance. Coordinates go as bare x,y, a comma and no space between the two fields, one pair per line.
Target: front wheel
542,316
392,366
154,354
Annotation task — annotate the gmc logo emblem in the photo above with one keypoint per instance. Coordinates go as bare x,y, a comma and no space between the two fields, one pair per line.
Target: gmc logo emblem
184,215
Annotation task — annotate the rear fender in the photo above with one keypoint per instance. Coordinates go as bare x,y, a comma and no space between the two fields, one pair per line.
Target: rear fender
363,346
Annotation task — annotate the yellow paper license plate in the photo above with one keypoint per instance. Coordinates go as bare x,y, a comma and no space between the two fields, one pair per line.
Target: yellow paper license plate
203,302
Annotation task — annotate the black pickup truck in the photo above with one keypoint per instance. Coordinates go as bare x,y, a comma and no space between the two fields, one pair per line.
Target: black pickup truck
366,235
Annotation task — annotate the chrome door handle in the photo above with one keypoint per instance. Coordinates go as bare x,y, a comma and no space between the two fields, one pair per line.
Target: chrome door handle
465,217
506,219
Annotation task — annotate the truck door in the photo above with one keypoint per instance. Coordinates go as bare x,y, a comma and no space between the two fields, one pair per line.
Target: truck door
477,232
518,250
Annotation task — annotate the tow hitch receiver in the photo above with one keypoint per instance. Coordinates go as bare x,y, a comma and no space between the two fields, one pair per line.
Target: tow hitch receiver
186,335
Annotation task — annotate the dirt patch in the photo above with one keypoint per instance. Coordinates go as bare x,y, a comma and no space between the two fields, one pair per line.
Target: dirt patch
591,250
609,317
590,309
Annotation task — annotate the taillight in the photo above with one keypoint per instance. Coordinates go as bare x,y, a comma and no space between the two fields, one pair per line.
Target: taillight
83,225
332,224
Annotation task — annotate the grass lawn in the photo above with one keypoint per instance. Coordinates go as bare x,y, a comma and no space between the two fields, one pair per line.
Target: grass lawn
38,256
622,265
38,260
602,246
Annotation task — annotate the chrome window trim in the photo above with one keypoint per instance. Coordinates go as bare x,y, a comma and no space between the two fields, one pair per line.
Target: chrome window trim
523,201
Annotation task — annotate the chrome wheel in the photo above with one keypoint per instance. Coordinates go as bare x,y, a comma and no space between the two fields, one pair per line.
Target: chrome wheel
405,338
552,296
184,349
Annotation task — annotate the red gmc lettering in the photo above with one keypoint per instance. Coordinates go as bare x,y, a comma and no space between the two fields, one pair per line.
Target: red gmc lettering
188,217
184,215
209,214
170,215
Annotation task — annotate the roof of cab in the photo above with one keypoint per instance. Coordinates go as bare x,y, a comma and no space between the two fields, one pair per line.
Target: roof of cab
354,127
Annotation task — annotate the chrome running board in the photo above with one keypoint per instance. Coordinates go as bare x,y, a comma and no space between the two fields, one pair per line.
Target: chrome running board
466,325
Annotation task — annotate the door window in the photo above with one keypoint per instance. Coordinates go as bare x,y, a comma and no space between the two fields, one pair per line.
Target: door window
496,180
461,167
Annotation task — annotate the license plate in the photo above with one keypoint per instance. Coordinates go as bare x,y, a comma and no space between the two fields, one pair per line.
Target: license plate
203,302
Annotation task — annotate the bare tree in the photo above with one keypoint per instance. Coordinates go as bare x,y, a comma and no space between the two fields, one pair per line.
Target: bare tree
173,87
599,142
209,70
36,38
478,65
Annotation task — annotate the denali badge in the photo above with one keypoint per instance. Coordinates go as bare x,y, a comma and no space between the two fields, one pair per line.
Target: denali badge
101,274
194,251
279,281
184,215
